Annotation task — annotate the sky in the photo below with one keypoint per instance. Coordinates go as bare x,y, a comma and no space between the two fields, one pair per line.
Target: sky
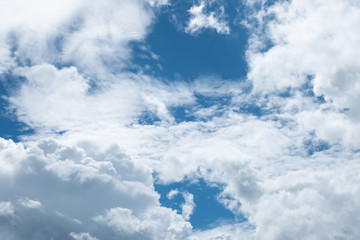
179,119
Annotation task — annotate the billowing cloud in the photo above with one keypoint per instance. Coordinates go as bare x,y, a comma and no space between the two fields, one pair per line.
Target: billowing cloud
147,226
311,44
74,187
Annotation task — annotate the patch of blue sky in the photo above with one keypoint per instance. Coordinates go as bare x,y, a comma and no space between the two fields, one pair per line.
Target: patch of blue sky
284,122
314,144
188,56
257,109
148,118
208,212
188,113
270,3
10,128
251,109
144,60
209,101
182,114
307,90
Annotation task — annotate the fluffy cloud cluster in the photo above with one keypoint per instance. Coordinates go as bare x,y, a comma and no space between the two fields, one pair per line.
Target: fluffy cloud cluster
284,144
312,44
55,190
201,19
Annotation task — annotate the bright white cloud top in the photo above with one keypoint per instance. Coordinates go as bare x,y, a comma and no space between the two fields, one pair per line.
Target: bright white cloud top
200,20
280,144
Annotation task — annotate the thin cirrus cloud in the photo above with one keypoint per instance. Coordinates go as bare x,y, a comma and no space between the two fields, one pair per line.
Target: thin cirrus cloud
282,144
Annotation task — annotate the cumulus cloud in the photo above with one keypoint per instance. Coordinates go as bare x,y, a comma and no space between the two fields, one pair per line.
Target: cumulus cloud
201,19
290,169
311,43
309,38
73,187
147,225
11,156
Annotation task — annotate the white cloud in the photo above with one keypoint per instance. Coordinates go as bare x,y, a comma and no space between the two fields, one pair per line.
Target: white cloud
91,35
187,208
147,225
61,99
121,219
82,236
6,209
200,19
11,157
6,61
261,161
73,185
172,194
102,39
303,204
234,231
312,42
158,3
26,202
27,28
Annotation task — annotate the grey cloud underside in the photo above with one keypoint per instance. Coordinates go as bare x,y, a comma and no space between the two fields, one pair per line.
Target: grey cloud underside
79,190
284,144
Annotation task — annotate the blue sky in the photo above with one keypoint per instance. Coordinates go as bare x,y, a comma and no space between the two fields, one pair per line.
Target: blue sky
189,120
208,211
189,56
